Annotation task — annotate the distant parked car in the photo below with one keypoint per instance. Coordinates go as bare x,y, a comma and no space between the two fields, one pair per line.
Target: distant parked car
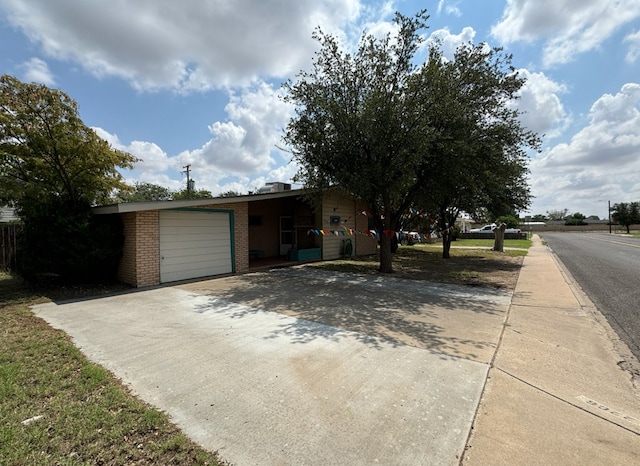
488,229
485,229
410,237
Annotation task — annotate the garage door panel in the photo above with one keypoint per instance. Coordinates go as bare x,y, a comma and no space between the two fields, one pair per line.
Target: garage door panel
205,272
195,230
191,253
194,258
194,244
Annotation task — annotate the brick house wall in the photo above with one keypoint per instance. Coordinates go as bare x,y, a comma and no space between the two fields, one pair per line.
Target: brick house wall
140,262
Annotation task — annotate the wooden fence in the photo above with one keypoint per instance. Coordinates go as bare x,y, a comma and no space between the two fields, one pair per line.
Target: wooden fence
8,245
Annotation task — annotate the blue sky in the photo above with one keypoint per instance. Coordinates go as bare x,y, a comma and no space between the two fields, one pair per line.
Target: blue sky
196,82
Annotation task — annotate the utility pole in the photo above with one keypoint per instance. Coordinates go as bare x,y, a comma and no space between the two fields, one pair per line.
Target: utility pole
609,217
187,171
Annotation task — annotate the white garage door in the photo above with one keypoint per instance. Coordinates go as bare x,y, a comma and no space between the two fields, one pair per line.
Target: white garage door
194,244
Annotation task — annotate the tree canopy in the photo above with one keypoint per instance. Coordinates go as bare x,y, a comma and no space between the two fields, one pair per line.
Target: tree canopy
47,151
192,194
626,214
143,191
438,137
53,168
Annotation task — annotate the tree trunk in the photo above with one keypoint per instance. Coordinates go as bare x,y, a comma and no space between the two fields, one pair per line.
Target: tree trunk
386,265
446,243
446,234
498,232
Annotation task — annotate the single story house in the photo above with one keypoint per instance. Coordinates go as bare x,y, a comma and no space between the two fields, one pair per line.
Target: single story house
167,241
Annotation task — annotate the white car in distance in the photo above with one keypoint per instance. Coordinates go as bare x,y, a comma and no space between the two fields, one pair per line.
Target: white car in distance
488,229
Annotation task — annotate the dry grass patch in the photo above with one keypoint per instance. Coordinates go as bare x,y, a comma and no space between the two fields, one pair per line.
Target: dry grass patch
472,266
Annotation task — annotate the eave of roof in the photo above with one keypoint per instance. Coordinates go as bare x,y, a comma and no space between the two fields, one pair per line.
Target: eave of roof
185,203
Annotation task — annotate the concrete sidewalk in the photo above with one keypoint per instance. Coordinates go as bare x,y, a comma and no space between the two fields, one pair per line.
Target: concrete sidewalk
560,389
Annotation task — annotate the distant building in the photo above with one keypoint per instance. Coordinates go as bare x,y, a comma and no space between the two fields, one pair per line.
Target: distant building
8,214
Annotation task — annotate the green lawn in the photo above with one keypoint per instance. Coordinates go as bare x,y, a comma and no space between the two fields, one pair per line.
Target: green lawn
481,243
57,407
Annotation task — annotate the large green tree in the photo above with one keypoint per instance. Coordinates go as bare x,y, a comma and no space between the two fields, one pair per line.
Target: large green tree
53,168
360,124
439,136
626,214
475,158
47,150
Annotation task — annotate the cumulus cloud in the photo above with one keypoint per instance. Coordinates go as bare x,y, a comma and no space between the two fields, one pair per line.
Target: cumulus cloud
450,8
152,159
540,104
599,162
450,42
241,146
246,142
37,71
634,47
180,45
611,137
568,27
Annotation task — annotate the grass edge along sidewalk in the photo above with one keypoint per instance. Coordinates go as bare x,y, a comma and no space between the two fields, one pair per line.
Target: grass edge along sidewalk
59,408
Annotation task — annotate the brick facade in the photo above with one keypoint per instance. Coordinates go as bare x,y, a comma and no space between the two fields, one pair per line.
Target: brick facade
140,262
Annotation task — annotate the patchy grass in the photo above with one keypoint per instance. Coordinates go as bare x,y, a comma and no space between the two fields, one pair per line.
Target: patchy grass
473,264
488,243
59,408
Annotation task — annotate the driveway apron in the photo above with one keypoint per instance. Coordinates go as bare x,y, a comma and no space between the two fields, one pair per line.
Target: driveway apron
391,380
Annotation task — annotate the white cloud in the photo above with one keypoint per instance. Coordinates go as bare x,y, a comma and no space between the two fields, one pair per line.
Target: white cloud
181,45
569,27
450,8
612,138
246,143
541,106
634,47
600,162
450,42
37,71
152,159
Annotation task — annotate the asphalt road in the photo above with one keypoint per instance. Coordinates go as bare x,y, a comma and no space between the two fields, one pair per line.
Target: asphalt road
607,268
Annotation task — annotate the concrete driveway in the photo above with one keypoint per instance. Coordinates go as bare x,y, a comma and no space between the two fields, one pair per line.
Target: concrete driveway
299,366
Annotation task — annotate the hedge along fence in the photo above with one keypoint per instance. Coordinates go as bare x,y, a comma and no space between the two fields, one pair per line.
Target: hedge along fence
9,233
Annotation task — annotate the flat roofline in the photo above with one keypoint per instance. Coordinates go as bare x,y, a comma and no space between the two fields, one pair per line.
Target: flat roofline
126,207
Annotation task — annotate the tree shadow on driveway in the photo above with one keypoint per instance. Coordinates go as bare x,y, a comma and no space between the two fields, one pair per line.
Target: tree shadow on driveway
451,320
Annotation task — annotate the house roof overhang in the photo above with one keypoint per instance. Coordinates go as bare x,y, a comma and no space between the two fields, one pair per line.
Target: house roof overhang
186,203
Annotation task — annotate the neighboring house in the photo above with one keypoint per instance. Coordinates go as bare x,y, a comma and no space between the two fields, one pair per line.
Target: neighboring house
168,241
7,215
